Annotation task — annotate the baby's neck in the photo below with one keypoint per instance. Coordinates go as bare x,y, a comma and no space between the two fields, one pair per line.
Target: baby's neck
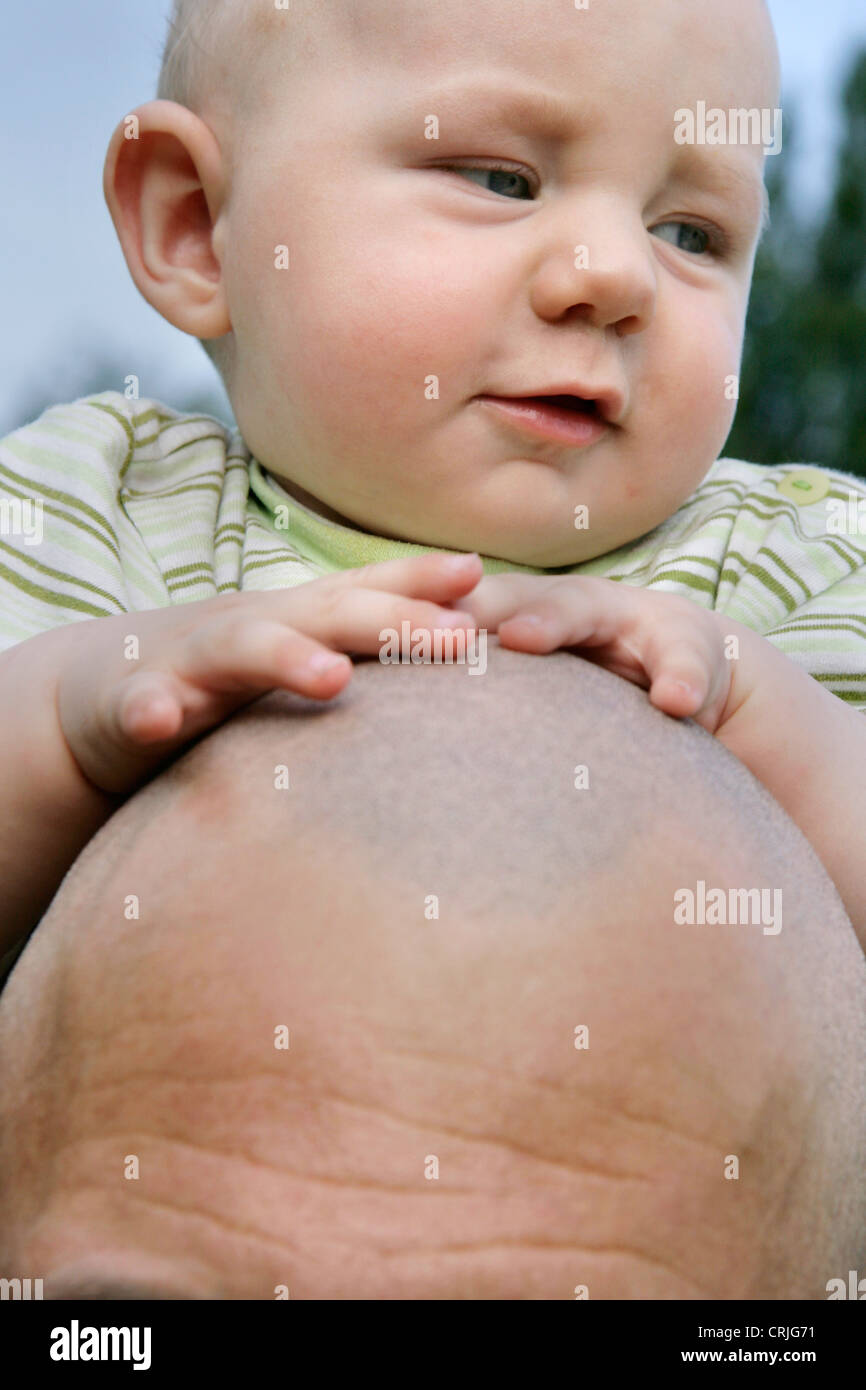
312,503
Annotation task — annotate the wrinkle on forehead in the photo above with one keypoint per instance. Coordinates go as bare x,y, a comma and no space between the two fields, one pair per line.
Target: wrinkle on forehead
497,1220
320,1172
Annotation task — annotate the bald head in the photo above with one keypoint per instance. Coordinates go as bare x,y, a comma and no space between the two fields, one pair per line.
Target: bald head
423,1024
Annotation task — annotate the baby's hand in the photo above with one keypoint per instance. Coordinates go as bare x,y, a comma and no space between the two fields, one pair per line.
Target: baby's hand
199,662
659,641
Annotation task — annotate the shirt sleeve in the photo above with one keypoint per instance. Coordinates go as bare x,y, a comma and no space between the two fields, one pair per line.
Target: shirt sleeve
68,551
795,571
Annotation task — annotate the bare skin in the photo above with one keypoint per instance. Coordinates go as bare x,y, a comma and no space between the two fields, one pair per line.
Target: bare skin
415,1037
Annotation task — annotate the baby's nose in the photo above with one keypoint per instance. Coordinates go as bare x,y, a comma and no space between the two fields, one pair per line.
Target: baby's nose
604,274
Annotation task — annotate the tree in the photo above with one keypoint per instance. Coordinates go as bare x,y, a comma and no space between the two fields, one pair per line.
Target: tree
803,384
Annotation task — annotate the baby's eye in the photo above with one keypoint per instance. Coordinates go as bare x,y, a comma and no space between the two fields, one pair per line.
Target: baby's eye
686,236
504,181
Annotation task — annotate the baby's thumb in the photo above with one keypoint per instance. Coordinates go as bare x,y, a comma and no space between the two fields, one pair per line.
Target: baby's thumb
148,709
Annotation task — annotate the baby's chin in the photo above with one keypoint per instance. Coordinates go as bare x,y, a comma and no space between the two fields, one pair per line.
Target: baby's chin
549,529
573,536
536,553
518,521
552,551
551,555
588,533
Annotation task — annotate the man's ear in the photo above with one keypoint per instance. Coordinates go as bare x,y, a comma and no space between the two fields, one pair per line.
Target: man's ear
164,183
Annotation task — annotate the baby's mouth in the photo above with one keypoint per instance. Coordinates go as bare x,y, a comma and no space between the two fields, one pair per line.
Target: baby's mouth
577,404
574,421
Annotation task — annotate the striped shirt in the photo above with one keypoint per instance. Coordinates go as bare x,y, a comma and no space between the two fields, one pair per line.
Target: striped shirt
111,505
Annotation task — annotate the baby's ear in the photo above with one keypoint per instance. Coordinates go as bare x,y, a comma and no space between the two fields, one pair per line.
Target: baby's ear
165,186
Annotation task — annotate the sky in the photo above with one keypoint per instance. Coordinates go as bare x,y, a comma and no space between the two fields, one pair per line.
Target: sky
67,302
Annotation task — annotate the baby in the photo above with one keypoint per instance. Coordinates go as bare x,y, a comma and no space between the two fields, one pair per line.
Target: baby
476,286
470,287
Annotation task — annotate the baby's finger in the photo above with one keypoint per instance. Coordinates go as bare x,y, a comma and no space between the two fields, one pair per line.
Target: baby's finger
581,611
440,577
680,680
238,655
148,708
351,620
498,597
686,668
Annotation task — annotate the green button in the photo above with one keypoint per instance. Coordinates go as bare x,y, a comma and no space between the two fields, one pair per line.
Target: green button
804,487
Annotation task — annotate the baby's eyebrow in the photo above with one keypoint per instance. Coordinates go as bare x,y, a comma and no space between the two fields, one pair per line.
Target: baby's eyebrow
709,169
502,105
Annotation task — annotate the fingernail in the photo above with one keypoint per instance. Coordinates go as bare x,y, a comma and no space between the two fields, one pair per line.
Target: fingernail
325,661
458,562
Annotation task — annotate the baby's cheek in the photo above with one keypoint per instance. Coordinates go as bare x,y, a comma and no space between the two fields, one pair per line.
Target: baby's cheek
718,406
707,380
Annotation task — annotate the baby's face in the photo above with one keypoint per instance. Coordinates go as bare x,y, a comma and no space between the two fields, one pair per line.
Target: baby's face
607,260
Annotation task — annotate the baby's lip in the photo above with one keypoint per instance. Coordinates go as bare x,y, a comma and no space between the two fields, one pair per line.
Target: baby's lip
607,402
545,418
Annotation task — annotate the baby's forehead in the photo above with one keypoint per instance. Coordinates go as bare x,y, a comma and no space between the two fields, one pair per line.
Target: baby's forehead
255,50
